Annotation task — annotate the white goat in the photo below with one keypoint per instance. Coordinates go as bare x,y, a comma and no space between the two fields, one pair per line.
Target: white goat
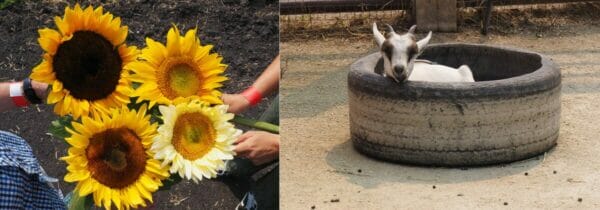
399,53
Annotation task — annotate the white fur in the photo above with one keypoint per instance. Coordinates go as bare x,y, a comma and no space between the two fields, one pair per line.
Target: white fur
423,71
415,71
378,36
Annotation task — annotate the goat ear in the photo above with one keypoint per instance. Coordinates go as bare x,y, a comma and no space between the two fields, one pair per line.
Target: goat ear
377,35
412,29
421,44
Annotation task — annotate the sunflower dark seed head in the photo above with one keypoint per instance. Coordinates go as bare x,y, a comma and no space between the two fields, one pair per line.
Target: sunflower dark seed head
88,66
116,157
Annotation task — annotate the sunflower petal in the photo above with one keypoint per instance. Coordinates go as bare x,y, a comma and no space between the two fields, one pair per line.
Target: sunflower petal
49,40
155,53
173,42
187,43
77,176
43,72
54,97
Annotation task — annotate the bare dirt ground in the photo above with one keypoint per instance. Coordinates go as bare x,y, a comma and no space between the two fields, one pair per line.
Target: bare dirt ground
246,36
321,170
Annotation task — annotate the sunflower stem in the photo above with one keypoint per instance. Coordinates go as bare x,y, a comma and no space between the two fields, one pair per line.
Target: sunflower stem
76,202
261,125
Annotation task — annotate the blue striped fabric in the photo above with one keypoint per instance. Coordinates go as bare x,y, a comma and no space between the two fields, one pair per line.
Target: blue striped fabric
23,182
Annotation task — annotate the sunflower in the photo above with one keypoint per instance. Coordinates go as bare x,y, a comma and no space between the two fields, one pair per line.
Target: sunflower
84,60
195,139
110,158
180,71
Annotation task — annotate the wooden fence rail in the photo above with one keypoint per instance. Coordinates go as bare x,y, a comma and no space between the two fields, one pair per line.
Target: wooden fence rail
439,17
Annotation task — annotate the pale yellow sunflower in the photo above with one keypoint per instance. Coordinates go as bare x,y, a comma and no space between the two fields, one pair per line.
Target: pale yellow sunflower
110,158
84,60
195,139
180,71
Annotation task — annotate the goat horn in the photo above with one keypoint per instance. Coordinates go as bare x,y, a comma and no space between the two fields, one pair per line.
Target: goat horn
412,29
377,35
389,29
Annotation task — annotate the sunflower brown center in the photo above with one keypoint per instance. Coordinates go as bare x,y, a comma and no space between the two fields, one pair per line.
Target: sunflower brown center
116,157
193,135
177,78
88,65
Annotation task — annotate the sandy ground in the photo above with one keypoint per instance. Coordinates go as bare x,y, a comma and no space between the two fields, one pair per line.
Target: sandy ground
321,170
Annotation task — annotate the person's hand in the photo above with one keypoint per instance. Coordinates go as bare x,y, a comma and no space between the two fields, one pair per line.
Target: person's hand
41,89
237,102
258,146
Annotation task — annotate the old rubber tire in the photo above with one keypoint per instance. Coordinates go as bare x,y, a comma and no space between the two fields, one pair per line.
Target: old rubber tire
511,113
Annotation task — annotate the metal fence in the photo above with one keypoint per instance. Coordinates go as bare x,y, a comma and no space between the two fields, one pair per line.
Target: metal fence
353,15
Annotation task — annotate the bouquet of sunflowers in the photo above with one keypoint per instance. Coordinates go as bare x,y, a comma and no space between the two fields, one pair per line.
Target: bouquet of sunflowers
135,120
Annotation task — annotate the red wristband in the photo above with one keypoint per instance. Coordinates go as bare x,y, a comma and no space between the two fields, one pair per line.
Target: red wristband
253,95
16,94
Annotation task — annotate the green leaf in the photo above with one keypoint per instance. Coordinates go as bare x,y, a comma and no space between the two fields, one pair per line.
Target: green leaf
136,85
7,3
155,115
169,182
76,202
135,106
58,127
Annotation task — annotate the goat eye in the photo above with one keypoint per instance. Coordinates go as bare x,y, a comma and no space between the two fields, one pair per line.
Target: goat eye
387,50
411,53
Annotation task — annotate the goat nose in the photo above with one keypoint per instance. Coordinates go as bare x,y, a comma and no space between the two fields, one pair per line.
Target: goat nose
399,69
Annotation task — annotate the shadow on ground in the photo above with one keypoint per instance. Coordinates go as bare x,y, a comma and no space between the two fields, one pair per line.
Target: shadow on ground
370,173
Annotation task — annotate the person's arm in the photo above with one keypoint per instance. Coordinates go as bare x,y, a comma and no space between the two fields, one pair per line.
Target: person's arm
268,81
7,103
266,84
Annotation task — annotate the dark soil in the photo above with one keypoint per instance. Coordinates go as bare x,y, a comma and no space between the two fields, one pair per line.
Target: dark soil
246,36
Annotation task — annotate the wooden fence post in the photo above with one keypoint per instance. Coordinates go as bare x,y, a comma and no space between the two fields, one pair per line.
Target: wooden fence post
435,15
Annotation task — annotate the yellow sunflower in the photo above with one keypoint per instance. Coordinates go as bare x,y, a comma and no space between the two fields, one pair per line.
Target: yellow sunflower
183,69
195,139
84,60
110,158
